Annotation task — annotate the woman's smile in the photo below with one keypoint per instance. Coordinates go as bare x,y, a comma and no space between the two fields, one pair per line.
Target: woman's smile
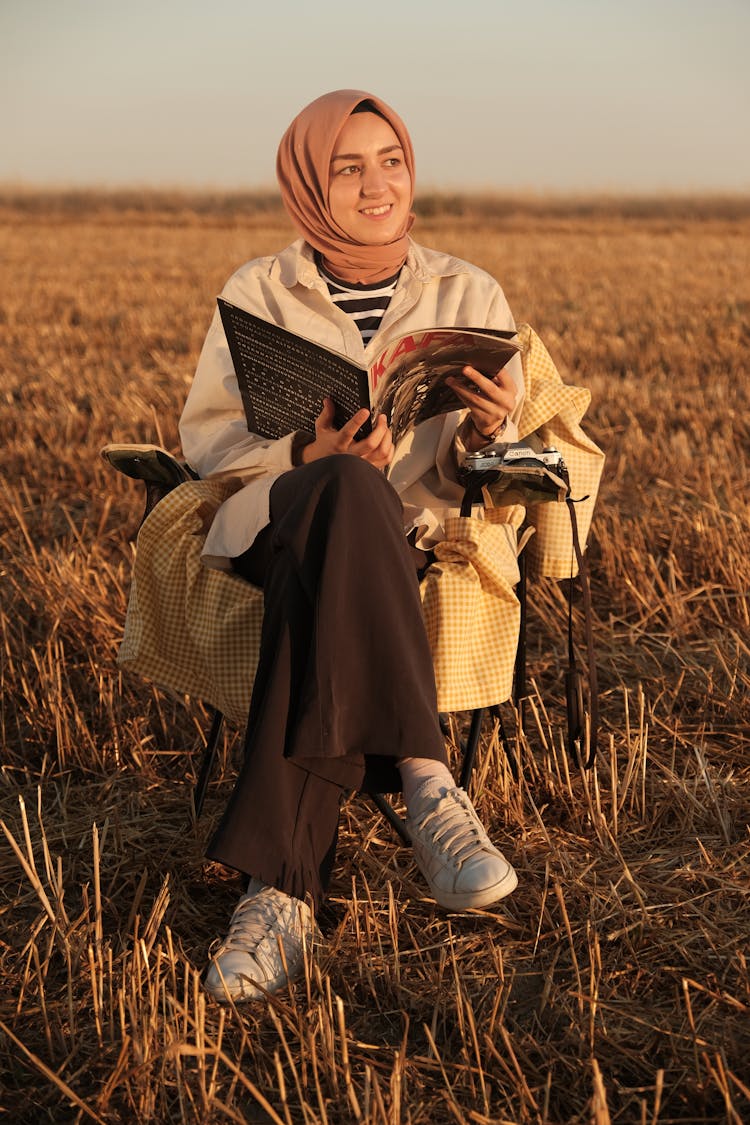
379,212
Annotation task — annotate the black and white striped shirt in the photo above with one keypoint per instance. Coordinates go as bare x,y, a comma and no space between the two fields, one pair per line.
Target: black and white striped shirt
366,304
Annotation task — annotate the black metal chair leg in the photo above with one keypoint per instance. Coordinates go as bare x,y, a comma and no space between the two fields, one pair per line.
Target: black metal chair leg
207,763
512,760
391,816
470,750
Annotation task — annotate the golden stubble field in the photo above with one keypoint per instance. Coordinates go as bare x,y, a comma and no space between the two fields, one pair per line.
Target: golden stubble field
613,985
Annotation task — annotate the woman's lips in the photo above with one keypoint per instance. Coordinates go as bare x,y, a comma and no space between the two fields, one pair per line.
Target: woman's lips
377,212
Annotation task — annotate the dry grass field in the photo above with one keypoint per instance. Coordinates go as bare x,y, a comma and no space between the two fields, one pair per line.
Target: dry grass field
613,986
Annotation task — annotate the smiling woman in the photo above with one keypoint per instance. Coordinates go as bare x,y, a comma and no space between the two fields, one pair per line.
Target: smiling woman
338,532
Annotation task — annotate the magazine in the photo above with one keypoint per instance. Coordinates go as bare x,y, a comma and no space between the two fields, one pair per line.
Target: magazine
283,377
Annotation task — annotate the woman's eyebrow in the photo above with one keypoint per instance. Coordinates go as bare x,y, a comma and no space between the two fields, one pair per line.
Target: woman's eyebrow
358,155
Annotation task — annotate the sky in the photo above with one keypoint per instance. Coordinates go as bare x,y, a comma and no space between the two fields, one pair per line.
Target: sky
640,96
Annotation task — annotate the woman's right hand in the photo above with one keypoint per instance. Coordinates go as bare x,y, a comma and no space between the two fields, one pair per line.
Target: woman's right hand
377,447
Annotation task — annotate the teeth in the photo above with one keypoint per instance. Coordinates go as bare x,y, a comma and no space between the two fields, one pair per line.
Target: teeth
376,210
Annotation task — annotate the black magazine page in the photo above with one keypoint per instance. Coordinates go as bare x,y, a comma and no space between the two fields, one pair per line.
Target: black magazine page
283,377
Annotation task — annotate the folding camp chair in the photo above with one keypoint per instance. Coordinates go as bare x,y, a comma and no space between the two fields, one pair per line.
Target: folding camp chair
161,472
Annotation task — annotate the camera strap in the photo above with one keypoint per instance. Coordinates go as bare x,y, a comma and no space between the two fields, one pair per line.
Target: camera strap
573,675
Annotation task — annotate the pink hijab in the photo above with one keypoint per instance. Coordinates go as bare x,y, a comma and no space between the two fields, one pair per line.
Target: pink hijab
303,172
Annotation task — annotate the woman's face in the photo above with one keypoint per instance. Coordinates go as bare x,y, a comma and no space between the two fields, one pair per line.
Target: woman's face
370,187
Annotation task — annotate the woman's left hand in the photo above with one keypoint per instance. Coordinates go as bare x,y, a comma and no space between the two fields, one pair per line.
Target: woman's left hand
377,447
489,399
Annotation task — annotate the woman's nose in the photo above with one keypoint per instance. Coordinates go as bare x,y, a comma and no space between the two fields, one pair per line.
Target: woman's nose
373,181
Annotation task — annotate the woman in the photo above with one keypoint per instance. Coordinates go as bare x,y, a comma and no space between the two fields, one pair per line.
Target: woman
344,696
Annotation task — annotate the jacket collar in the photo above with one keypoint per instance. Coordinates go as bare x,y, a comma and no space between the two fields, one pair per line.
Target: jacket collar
296,265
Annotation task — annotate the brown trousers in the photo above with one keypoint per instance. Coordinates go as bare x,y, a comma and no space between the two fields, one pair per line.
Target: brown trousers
345,684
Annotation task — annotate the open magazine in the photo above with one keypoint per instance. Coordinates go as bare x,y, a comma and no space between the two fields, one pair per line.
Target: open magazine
283,377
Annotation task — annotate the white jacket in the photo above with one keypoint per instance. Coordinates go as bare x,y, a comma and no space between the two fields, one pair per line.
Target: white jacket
433,290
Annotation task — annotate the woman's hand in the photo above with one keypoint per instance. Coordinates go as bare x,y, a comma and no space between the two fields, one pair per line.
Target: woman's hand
490,401
377,447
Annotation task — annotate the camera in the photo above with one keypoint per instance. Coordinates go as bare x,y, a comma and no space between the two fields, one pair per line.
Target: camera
516,454
517,473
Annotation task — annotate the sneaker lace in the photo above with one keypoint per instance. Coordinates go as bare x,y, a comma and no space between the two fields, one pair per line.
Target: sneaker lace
258,921
452,827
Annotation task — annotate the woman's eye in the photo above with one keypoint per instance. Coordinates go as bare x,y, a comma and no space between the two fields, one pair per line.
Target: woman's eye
349,170
392,162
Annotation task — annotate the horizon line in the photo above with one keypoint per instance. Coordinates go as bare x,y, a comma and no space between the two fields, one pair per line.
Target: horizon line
28,187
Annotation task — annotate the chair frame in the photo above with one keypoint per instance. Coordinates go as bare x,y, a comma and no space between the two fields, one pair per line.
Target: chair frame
158,485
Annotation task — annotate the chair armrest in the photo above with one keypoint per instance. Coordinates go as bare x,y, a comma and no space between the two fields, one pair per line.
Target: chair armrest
159,470
149,463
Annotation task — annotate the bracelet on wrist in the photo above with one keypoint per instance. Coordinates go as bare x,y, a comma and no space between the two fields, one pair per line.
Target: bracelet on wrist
495,433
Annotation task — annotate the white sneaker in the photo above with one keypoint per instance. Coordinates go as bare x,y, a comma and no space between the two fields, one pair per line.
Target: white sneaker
248,963
453,852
